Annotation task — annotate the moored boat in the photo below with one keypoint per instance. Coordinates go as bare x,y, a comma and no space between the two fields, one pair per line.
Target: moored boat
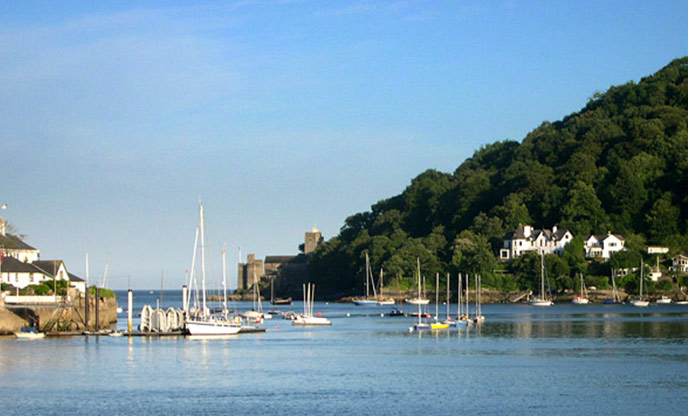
581,299
367,300
417,301
640,302
307,318
541,300
664,300
420,325
29,333
202,323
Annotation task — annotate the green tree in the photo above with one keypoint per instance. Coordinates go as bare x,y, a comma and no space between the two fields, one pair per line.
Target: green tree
583,214
574,255
663,219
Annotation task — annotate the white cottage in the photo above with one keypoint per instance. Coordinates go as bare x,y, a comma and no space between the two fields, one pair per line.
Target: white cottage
21,274
526,238
13,246
603,246
680,263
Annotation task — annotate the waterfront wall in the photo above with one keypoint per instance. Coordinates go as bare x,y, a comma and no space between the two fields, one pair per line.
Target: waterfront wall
58,316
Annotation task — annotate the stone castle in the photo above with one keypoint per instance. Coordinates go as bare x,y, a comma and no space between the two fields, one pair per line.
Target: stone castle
255,270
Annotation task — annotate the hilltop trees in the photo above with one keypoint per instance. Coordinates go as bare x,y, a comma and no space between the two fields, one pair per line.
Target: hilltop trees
620,164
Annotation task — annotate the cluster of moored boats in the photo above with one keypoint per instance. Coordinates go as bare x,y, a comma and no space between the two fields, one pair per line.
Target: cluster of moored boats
462,318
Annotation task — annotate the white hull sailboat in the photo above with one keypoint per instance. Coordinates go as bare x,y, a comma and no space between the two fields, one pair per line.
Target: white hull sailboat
581,299
420,326
203,323
542,300
367,300
382,301
308,319
640,302
479,318
418,301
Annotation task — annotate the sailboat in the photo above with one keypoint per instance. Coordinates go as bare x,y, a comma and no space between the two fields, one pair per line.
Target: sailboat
449,320
367,301
461,317
615,294
382,300
256,314
437,324
478,300
202,322
420,326
581,299
308,319
542,300
418,300
640,302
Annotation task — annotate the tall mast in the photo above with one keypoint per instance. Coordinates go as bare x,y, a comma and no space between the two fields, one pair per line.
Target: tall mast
641,279
542,276
458,302
86,271
367,275
201,225
418,263
437,295
476,295
448,295
224,277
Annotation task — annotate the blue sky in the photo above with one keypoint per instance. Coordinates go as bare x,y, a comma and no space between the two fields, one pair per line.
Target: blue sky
117,116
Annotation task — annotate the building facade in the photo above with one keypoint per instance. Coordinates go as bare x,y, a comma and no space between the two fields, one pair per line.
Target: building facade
526,238
603,246
20,264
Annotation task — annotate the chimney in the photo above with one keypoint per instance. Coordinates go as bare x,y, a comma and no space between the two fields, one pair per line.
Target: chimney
2,226
527,229
554,229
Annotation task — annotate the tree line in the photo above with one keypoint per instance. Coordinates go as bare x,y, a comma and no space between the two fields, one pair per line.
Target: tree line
619,164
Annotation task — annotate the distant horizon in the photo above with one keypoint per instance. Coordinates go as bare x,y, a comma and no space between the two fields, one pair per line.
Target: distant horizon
279,115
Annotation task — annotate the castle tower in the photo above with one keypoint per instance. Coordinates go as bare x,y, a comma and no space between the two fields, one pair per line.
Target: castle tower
249,272
313,240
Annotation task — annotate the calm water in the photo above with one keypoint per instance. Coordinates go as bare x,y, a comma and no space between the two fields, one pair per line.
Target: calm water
565,359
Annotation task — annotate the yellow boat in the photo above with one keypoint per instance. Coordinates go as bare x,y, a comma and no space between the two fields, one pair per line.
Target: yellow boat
438,325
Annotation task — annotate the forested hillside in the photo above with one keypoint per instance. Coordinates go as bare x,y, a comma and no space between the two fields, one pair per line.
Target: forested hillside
620,164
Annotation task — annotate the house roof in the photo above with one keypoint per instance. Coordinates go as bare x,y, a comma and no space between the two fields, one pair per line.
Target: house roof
560,234
520,234
49,266
12,242
278,259
75,278
12,265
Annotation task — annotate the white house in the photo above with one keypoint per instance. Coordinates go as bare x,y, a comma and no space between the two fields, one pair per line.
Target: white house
603,246
21,274
680,263
526,238
13,246
20,265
